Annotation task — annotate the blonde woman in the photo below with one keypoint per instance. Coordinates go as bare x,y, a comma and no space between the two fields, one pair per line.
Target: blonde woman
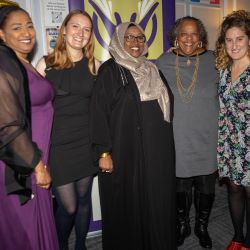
71,68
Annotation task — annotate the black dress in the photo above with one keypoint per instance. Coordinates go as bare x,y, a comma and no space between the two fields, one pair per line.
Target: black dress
70,155
138,198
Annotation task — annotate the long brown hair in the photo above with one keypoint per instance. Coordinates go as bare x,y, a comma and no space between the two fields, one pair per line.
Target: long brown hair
239,19
59,58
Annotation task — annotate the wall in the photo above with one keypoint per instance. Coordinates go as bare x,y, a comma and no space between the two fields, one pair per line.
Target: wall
210,14
42,17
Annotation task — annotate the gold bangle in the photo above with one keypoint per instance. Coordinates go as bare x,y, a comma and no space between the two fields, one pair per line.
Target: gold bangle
103,155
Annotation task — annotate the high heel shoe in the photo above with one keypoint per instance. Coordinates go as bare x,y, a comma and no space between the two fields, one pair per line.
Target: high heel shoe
234,245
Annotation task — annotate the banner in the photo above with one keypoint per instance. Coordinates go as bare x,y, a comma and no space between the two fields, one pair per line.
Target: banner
155,17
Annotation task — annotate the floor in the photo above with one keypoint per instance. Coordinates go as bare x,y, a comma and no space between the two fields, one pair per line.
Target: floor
220,227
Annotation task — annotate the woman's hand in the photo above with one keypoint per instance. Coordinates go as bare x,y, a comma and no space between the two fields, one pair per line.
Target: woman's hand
42,175
106,164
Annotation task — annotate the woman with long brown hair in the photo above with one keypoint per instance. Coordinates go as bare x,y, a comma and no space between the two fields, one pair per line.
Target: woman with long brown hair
71,68
233,151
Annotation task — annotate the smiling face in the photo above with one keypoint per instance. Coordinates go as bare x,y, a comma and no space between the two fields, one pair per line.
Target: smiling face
188,38
237,44
18,33
77,32
134,46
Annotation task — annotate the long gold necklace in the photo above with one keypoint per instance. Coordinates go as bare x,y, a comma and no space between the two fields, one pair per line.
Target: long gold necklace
186,94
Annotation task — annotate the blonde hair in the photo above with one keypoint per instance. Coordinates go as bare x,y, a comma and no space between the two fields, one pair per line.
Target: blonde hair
59,58
239,19
8,3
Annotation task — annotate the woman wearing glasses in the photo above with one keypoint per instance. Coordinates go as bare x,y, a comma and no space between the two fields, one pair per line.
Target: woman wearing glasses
133,142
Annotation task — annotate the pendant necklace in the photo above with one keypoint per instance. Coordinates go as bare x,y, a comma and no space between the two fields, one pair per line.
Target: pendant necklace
186,93
188,61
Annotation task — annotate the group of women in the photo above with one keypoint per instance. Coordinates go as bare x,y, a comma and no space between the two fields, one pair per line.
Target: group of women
152,133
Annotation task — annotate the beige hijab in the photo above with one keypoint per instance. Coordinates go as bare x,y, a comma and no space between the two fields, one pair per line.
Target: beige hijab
144,72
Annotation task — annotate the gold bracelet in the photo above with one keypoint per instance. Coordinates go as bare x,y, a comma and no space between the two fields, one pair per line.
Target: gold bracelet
103,155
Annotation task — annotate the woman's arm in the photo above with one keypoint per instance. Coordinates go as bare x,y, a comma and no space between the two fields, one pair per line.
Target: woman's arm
41,66
100,118
16,147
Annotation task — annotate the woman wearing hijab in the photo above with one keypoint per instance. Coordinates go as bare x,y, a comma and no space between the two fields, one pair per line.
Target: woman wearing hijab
132,139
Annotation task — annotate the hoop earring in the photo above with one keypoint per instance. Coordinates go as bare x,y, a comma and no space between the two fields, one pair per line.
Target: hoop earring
200,45
2,37
176,44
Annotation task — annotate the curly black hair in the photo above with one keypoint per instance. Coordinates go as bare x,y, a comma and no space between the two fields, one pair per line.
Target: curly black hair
201,29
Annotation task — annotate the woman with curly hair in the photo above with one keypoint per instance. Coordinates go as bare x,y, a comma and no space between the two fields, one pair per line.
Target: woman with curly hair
190,72
233,61
71,68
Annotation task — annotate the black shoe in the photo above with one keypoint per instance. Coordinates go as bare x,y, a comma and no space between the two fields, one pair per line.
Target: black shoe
204,238
183,231
203,205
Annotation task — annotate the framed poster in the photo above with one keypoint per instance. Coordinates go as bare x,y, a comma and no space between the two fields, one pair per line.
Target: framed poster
53,13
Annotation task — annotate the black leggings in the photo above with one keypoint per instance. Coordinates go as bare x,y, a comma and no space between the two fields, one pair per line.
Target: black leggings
239,202
203,183
74,209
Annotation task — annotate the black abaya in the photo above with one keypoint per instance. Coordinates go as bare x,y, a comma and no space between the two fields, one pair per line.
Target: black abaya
138,198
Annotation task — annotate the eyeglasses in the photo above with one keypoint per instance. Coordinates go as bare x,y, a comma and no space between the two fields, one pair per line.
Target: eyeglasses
139,39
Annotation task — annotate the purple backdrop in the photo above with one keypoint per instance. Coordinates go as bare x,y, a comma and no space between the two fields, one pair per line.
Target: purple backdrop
168,13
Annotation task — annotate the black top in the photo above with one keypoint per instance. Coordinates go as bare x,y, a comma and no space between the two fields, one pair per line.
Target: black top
70,156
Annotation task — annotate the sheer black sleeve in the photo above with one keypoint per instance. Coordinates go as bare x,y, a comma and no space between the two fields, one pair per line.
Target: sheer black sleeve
17,150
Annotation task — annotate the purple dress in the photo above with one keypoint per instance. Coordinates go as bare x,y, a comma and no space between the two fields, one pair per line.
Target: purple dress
31,226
